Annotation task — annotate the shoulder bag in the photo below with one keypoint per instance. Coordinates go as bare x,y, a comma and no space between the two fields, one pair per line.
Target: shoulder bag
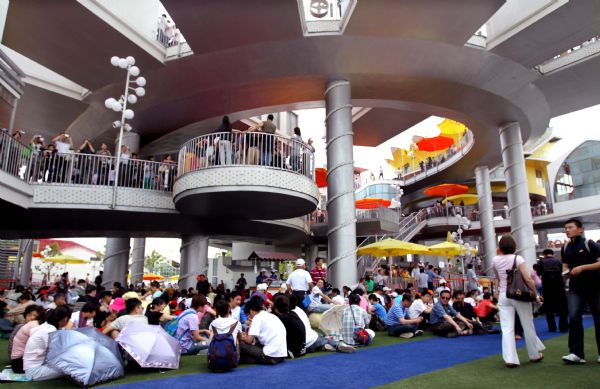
516,287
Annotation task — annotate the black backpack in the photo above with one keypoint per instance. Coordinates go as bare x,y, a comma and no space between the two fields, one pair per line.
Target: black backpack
223,355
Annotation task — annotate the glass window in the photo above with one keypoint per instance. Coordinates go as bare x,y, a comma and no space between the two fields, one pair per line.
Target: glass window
579,175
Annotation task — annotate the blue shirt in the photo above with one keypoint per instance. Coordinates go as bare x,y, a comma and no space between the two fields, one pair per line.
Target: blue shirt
380,311
439,311
430,276
398,299
397,312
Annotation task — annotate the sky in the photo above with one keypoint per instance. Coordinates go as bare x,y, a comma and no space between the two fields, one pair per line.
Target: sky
573,128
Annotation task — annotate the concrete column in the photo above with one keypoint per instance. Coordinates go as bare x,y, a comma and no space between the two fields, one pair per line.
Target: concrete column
542,239
20,254
138,256
342,266
13,115
518,194
311,251
26,267
194,259
486,217
116,262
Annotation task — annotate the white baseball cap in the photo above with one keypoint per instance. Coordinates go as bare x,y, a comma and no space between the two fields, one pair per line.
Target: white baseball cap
300,262
261,286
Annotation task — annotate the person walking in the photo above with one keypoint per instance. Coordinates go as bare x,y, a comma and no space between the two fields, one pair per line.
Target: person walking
553,287
581,262
502,262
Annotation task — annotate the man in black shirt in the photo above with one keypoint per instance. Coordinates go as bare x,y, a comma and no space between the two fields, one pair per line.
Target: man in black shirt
467,311
294,327
553,286
581,260
202,286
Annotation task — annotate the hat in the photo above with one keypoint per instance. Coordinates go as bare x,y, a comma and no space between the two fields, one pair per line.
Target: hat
300,262
130,295
442,281
261,286
387,289
394,294
117,304
283,288
43,291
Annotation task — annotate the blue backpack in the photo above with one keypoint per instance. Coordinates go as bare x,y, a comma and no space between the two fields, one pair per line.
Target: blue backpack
171,326
223,354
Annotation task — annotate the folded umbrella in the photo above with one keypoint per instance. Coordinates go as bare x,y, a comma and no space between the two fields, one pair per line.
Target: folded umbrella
85,359
150,346
331,321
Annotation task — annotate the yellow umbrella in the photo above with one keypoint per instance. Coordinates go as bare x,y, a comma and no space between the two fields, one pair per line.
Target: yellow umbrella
448,249
466,198
451,127
392,248
173,278
66,260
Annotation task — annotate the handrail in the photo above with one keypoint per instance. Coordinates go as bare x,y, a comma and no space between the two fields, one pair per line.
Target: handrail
246,148
37,166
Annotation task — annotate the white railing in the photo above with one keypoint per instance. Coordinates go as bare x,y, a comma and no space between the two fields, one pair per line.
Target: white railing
41,166
246,148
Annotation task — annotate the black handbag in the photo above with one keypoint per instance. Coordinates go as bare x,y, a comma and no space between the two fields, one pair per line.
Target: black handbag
516,287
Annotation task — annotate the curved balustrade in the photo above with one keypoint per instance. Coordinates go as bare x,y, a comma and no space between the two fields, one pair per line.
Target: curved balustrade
246,148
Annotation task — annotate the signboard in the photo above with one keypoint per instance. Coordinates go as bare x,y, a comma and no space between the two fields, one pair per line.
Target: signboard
325,17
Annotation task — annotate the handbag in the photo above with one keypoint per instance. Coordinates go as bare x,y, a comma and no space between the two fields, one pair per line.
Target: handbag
360,335
516,287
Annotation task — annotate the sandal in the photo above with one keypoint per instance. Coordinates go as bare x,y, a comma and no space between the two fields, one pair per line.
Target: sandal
538,359
511,365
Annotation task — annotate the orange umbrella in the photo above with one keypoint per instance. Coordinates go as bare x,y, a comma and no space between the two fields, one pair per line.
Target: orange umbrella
153,277
321,177
445,190
437,143
372,203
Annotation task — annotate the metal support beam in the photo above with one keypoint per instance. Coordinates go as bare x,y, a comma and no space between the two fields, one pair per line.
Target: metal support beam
519,210
542,239
194,259
116,262
26,267
138,256
342,266
486,217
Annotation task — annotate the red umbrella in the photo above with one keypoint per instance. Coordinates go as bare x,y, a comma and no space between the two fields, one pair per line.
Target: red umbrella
372,203
446,190
321,177
438,143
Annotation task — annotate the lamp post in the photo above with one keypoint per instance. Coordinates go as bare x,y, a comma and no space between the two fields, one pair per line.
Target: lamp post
120,105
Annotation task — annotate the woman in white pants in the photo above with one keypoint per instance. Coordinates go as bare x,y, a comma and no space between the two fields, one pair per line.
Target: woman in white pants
508,307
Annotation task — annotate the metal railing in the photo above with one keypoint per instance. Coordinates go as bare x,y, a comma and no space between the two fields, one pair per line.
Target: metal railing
246,148
36,166
413,172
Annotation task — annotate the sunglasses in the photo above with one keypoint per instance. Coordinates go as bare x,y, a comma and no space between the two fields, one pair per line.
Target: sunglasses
444,298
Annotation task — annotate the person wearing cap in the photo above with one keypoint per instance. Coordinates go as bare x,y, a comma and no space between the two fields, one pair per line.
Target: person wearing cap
442,286
262,276
300,282
43,299
261,292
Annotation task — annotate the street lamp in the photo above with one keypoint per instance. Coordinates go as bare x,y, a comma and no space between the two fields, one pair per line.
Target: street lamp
120,105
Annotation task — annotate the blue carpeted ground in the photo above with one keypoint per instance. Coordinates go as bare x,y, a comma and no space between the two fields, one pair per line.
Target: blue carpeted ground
367,368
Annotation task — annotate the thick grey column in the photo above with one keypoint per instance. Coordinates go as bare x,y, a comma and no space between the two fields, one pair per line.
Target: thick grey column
542,239
116,262
138,256
26,266
519,211
312,251
342,266
194,259
20,254
486,217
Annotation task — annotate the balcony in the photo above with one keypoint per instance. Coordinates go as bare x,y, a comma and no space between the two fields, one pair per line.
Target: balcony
247,175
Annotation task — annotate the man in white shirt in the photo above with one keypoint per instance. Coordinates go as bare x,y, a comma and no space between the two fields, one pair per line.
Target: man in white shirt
300,282
235,300
319,301
421,307
36,348
336,297
135,312
265,342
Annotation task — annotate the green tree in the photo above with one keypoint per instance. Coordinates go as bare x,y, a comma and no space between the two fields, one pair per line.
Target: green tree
155,261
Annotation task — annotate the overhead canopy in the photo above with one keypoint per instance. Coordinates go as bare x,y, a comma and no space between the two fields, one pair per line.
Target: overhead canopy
451,127
448,249
65,260
445,190
437,143
271,256
372,203
466,199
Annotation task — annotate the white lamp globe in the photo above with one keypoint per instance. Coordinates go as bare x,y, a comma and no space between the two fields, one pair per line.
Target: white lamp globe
122,63
130,60
461,241
132,99
114,60
140,91
134,71
140,81
116,106
460,231
108,103
129,114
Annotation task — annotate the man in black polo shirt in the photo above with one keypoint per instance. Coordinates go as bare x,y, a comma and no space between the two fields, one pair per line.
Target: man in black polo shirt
581,260
555,298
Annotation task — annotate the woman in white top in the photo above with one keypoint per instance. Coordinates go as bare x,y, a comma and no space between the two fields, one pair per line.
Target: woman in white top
508,307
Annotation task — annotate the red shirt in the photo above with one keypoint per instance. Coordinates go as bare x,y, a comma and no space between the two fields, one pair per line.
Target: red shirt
318,274
483,308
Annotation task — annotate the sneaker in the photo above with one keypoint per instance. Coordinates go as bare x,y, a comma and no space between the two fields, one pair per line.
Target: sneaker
328,347
407,335
598,359
344,348
573,359
419,332
290,354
